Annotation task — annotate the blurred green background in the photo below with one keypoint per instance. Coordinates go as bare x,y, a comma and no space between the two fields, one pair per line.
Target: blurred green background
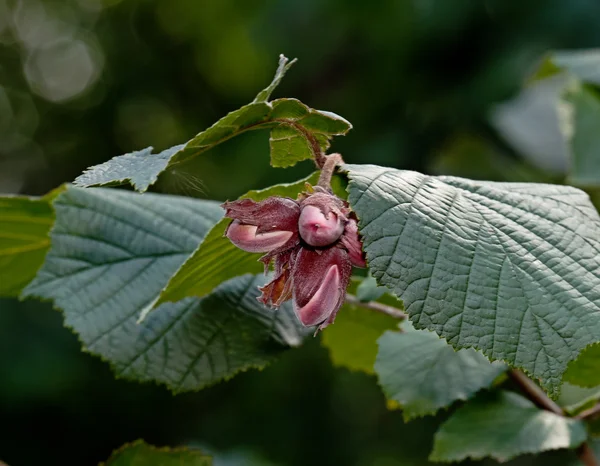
428,85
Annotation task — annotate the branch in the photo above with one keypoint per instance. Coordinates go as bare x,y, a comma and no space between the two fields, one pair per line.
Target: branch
535,393
375,306
589,413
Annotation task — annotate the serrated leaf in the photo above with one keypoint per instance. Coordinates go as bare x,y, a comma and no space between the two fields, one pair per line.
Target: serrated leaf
113,251
581,120
502,425
297,133
585,370
24,226
511,269
139,453
423,373
352,341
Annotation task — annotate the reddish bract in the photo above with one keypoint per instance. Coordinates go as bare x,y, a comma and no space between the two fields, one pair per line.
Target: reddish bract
313,243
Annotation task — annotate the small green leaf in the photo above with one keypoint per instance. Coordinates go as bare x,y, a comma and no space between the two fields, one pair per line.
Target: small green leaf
502,425
585,370
284,66
297,133
584,64
216,259
511,269
25,223
113,251
574,399
139,453
423,373
352,341
369,290
581,113
139,168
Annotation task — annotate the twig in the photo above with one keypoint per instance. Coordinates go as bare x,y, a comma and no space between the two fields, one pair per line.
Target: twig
589,413
327,169
586,455
375,306
537,395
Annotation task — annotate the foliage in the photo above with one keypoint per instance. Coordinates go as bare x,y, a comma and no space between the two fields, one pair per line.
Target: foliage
495,277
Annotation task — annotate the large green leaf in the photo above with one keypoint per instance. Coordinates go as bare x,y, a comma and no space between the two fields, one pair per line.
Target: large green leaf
581,121
113,251
512,269
139,453
24,226
298,133
423,373
502,425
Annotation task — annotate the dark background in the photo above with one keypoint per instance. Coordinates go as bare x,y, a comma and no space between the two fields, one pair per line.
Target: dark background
84,80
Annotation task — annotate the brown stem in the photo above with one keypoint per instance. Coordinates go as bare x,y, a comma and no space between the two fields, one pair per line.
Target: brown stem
534,393
586,455
327,169
537,395
590,413
375,306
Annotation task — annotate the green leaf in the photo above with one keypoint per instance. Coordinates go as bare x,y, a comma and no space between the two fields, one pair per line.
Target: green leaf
352,341
574,399
216,259
113,251
581,120
139,453
511,269
584,64
502,425
24,226
585,370
284,66
369,290
297,133
423,373
139,168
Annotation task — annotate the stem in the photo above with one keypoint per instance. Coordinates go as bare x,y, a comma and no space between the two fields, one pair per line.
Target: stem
586,455
589,413
375,306
327,169
537,395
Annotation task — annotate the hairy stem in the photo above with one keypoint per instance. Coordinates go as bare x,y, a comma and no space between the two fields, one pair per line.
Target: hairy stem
375,306
327,169
537,395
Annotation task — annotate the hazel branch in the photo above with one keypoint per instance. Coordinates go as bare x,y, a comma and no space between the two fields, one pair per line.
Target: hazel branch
535,393
375,306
